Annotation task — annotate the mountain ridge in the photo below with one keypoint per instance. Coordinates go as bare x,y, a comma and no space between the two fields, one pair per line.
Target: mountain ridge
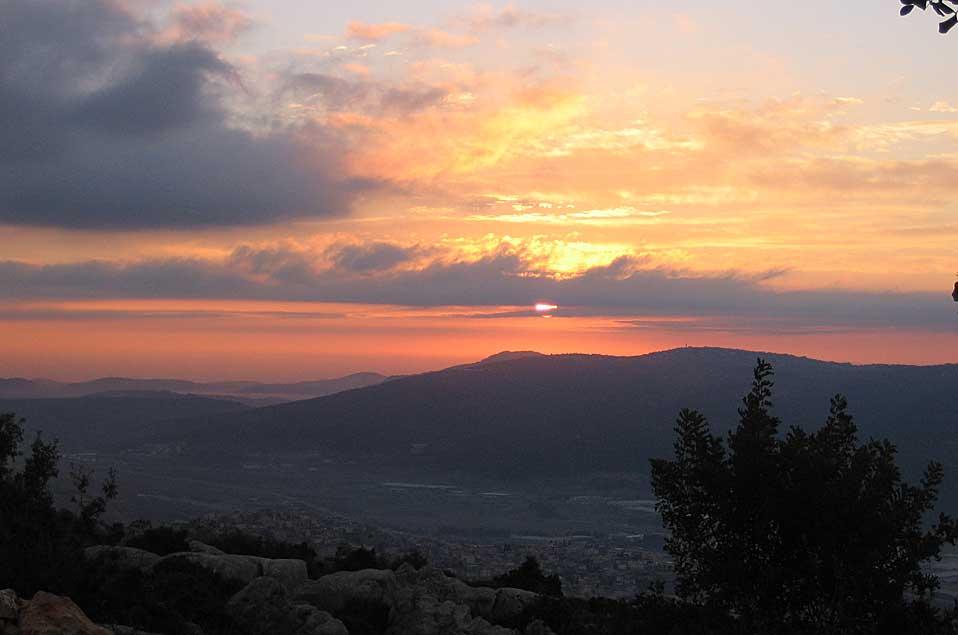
571,414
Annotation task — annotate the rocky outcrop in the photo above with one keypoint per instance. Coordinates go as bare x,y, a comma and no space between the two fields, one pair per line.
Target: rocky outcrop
123,558
421,602
263,608
9,606
433,582
48,614
289,572
278,596
239,569
334,591
126,630
538,627
201,547
510,603
425,614
9,612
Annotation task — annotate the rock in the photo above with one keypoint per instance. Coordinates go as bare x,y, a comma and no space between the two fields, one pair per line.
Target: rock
48,614
510,603
432,581
201,547
123,558
538,627
9,606
119,629
315,622
332,592
427,615
239,569
262,608
9,612
291,573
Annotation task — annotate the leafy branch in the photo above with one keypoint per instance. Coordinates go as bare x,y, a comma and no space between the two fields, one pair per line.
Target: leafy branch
944,8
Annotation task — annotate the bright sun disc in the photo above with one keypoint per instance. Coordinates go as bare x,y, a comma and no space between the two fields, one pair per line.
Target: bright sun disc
542,307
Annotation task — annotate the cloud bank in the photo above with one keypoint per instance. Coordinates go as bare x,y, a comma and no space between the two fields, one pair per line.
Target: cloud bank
385,273
113,122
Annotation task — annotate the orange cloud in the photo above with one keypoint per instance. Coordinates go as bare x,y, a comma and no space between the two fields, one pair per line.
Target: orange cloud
210,22
374,32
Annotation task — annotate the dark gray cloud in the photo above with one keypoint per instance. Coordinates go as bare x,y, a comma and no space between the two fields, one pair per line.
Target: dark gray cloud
371,257
164,91
276,264
502,278
105,127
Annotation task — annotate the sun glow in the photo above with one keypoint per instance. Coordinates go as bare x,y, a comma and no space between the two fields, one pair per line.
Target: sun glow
542,307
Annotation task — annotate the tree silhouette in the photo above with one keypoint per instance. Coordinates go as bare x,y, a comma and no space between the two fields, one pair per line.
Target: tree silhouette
810,530
529,576
40,544
944,8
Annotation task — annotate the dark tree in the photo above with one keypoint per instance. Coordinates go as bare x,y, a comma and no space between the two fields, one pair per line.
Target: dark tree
806,531
40,544
529,576
944,8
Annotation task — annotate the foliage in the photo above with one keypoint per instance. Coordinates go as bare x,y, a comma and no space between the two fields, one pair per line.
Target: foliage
807,531
650,612
167,599
364,617
529,576
349,558
944,8
40,545
162,540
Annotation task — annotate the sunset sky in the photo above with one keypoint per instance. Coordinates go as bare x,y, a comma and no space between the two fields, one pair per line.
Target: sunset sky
291,189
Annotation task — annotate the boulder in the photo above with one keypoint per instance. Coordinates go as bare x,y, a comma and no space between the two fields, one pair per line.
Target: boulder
123,558
510,603
48,614
9,605
262,608
432,581
428,615
291,573
238,569
9,612
201,547
119,629
334,591
538,627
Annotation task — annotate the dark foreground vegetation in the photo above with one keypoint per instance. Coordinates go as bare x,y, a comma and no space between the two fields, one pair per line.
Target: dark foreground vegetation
794,533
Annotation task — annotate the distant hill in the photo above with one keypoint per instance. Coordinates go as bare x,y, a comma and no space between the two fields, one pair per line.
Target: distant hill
568,415
507,356
248,391
111,420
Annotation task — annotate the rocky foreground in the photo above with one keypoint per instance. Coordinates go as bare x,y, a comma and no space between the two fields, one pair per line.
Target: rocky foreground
277,597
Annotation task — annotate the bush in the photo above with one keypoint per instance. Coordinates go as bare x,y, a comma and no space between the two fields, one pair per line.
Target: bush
529,576
161,540
168,599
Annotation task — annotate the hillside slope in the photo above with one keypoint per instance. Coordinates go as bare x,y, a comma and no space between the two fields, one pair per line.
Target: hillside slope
572,414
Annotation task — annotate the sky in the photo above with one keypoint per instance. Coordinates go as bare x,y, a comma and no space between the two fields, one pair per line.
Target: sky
285,189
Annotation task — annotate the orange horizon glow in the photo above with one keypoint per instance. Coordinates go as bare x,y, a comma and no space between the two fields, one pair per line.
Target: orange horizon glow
666,176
